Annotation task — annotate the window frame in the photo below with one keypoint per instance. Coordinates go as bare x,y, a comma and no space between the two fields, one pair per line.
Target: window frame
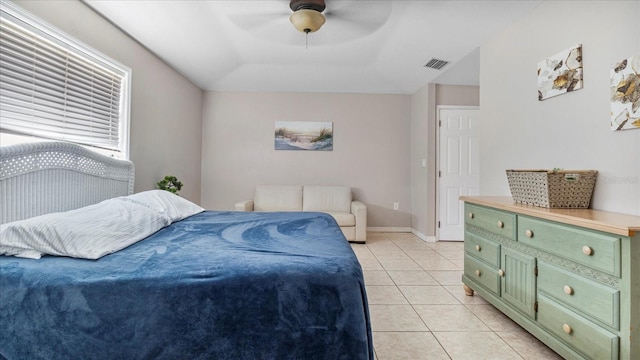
34,24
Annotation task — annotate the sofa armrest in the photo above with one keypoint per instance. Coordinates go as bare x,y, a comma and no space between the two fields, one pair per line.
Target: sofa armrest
246,205
359,210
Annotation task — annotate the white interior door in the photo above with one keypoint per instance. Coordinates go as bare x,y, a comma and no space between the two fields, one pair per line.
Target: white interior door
458,168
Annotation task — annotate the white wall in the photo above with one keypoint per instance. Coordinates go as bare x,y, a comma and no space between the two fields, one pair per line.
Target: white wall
463,95
424,132
569,131
166,108
422,177
371,148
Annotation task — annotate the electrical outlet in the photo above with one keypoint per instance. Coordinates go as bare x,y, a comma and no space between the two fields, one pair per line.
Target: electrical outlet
395,206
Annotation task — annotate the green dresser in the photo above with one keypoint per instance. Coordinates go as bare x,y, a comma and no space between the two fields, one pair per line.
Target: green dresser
571,277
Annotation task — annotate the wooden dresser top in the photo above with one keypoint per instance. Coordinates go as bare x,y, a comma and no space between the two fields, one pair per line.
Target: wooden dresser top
616,223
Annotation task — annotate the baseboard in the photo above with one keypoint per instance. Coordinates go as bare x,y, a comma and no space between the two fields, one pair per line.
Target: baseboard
422,236
415,232
389,229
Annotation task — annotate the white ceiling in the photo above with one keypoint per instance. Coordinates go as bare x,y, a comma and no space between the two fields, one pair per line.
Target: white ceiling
364,47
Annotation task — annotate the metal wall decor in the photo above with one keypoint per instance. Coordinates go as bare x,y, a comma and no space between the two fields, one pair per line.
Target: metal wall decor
625,94
560,73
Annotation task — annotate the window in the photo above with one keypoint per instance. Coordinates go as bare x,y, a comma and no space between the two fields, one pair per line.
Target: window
52,87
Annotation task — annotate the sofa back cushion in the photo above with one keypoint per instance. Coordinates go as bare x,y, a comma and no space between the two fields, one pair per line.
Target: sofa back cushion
327,198
277,198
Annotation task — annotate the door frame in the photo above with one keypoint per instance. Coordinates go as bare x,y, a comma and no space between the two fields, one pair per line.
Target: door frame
437,178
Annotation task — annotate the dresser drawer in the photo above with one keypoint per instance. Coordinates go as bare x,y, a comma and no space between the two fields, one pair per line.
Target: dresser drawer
587,297
483,249
482,273
495,221
582,335
594,249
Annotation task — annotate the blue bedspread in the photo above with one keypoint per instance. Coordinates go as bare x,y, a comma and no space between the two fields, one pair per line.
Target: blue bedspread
217,285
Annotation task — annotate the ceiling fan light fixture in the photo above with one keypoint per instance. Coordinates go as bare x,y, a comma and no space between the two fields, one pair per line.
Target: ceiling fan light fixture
307,20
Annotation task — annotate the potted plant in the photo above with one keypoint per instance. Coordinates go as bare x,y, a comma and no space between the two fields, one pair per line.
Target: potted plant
170,183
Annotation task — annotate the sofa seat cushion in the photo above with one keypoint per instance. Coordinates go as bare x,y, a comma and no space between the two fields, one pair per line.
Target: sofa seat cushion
277,198
327,199
342,218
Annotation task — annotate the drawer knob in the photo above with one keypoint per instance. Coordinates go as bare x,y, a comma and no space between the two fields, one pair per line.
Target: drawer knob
568,290
529,233
567,329
478,273
587,250
501,272
478,248
471,215
500,224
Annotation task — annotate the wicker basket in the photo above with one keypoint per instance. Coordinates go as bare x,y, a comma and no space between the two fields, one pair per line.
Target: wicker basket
551,188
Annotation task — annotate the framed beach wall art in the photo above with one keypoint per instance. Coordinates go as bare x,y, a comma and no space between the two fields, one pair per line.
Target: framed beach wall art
560,73
304,135
625,94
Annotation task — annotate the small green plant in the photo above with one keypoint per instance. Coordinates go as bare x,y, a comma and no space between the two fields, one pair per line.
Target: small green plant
170,183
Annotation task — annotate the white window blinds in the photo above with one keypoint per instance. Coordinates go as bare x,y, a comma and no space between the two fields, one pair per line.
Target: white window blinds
53,90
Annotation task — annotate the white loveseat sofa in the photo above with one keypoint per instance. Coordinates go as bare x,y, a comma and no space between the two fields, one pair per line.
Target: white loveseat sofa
336,201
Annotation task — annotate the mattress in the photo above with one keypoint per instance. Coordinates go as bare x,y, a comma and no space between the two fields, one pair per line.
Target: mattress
216,285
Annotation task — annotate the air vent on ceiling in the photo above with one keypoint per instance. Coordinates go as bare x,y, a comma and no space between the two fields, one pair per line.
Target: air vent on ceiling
436,64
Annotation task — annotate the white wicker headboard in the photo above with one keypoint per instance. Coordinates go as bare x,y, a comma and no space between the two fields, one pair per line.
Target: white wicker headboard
41,178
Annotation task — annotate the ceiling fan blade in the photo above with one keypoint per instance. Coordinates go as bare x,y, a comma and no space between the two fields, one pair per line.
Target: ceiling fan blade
346,20
358,18
360,11
249,15
253,21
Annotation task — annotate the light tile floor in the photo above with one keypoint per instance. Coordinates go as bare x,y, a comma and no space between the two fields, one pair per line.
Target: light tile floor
419,309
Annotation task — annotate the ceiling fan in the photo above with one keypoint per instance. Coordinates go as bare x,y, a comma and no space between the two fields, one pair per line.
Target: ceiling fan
345,19
307,15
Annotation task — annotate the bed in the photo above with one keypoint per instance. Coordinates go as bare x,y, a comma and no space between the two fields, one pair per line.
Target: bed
213,285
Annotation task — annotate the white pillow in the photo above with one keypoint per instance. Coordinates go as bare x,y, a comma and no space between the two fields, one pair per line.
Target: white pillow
96,230
167,203
89,232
